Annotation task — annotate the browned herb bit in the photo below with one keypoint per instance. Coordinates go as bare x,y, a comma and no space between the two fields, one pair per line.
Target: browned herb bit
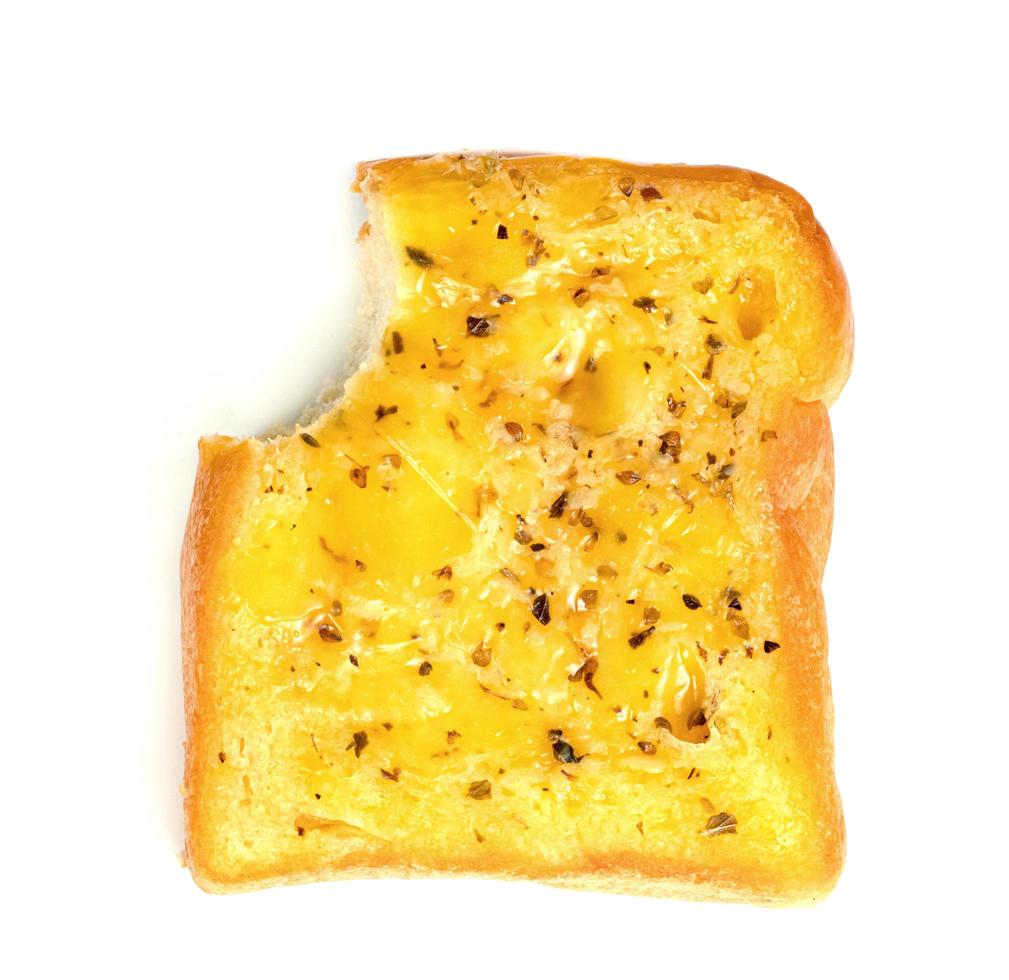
397,342
626,185
770,646
541,609
538,546
359,476
697,719
353,659
481,656
444,572
580,296
222,757
671,444
502,232
586,672
691,602
563,752
539,247
419,257
638,638
515,430
628,477
391,774
651,615
720,823
480,790
738,409
767,435
586,599
382,411
646,303
504,298
310,440
664,724
359,743
676,408
329,633
732,598
708,368
451,736
649,193
714,344
557,507
647,747
425,668
477,326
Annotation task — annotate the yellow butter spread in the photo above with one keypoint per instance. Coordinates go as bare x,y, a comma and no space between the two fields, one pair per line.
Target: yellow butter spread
499,590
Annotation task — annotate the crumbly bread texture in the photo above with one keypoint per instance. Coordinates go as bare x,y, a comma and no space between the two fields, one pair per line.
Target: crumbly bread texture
539,596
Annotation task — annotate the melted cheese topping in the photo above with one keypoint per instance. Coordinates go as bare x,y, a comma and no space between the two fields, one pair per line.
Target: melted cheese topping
503,580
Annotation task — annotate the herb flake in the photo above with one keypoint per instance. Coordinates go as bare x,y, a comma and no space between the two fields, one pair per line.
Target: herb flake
541,609
720,823
419,257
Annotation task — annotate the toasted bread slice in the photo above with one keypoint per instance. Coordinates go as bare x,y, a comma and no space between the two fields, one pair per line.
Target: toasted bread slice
539,596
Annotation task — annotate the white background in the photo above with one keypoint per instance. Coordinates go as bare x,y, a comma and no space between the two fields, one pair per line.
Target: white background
176,258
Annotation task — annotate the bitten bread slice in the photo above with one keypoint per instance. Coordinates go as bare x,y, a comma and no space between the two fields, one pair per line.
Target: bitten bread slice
539,597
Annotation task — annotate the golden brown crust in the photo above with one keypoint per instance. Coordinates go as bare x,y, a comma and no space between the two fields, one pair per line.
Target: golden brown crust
219,495
801,491
799,482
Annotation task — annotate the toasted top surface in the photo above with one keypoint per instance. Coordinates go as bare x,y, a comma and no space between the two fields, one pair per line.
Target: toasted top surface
526,587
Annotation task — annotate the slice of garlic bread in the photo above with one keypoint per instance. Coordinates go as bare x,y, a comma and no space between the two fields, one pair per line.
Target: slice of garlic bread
539,596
